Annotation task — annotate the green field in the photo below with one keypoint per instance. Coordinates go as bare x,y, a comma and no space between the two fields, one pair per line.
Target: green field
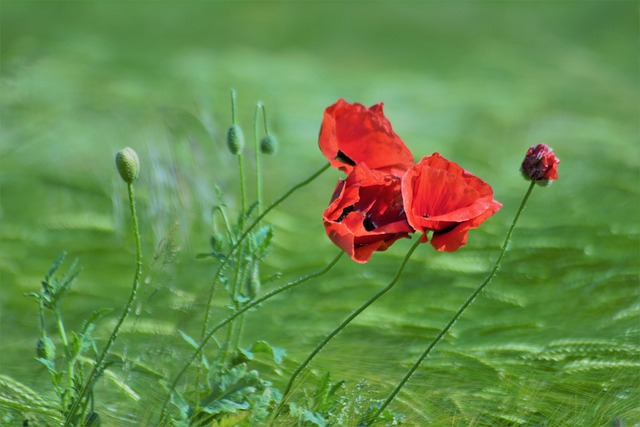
553,341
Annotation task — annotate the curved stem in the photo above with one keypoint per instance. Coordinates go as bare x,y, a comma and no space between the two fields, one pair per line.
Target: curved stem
461,310
98,367
340,327
224,322
246,232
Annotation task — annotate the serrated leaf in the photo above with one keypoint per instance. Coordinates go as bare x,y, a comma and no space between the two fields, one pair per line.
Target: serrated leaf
232,391
54,267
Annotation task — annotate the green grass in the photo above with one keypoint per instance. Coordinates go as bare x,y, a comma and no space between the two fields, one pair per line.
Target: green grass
553,341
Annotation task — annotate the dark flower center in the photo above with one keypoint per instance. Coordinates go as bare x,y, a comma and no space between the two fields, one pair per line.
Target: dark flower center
346,211
368,224
341,157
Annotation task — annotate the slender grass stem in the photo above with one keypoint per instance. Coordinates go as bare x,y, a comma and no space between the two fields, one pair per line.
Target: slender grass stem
224,322
243,236
340,327
461,310
99,365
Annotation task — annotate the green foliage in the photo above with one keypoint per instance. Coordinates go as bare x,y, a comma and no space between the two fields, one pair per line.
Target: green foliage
333,404
66,367
571,274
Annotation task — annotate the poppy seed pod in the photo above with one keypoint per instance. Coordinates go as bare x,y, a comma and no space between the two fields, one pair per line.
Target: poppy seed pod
128,165
269,145
46,349
235,140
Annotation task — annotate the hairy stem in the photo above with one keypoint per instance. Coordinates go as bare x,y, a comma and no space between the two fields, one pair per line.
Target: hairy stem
97,369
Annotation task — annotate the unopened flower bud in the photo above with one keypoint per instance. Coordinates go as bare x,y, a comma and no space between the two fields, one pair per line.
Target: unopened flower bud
235,140
540,165
128,165
269,144
46,349
216,241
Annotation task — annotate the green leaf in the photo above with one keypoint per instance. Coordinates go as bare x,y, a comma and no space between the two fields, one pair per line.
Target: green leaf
188,339
232,391
278,353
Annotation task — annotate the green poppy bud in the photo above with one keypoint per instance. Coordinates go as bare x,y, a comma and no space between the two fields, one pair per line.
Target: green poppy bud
128,165
46,349
235,140
216,241
269,144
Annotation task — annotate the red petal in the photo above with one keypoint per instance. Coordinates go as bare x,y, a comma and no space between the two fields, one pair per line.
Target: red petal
359,135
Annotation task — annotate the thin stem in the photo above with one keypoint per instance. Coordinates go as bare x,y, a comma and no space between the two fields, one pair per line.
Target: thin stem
68,354
245,308
227,225
99,365
257,154
233,106
246,232
43,326
264,119
461,310
340,327
243,192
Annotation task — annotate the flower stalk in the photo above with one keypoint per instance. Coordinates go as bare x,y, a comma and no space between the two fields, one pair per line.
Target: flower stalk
339,328
98,367
460,311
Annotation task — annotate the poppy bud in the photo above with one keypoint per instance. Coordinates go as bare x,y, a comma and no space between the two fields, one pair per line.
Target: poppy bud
216,241
269,145
540,165
235,140
46,349
128,165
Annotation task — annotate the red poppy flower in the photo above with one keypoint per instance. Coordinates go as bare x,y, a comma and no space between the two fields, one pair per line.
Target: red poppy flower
352,134
442,197
366,213
540,164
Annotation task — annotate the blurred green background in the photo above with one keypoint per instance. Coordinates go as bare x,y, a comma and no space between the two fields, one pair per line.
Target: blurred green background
553,341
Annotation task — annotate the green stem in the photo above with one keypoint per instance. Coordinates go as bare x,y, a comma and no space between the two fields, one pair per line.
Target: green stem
257,154
264,119
243,192
68,355
43,326
224,322
233,106
246,232
99,365
461,310
340,327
